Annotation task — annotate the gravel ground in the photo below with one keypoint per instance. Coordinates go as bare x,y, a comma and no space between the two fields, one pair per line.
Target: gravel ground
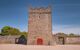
38,47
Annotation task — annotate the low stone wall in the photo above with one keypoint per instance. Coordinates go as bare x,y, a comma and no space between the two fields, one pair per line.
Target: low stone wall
11,40
66,40
8,39
72,40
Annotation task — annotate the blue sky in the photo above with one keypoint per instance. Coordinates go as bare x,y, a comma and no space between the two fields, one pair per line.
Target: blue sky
65,14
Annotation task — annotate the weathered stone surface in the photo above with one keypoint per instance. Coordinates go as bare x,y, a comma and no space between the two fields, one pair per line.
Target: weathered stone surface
40,26
8,39
72,40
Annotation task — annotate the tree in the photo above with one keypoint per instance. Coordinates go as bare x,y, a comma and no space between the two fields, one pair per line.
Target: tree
72,35
7,30
24,33
61,34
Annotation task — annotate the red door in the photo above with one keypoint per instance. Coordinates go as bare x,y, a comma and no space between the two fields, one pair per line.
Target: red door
39,41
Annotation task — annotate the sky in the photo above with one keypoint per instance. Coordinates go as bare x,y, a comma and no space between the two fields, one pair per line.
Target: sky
65,14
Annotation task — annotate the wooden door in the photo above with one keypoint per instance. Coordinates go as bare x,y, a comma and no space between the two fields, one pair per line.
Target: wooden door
39,41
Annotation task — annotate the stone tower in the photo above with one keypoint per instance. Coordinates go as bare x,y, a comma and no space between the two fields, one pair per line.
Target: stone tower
40,26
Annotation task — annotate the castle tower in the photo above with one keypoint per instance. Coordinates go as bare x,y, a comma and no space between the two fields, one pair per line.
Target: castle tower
40,26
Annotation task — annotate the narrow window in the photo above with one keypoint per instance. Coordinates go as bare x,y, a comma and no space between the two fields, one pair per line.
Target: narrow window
39,16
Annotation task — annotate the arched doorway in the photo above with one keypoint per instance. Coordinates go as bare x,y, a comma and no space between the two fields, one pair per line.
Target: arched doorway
61,40
39,41
21,40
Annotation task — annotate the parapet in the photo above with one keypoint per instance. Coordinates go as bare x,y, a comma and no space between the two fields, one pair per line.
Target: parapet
40,10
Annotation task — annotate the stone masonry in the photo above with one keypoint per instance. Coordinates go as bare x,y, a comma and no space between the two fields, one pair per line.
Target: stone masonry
40,26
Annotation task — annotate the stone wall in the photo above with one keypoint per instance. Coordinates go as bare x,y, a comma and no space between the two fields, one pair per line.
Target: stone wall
72,40
61,40
8,39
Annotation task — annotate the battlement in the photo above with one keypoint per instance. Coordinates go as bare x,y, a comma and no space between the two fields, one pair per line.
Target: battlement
40,10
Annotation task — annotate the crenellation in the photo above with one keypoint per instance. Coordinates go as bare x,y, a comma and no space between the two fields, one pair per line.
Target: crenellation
40,10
